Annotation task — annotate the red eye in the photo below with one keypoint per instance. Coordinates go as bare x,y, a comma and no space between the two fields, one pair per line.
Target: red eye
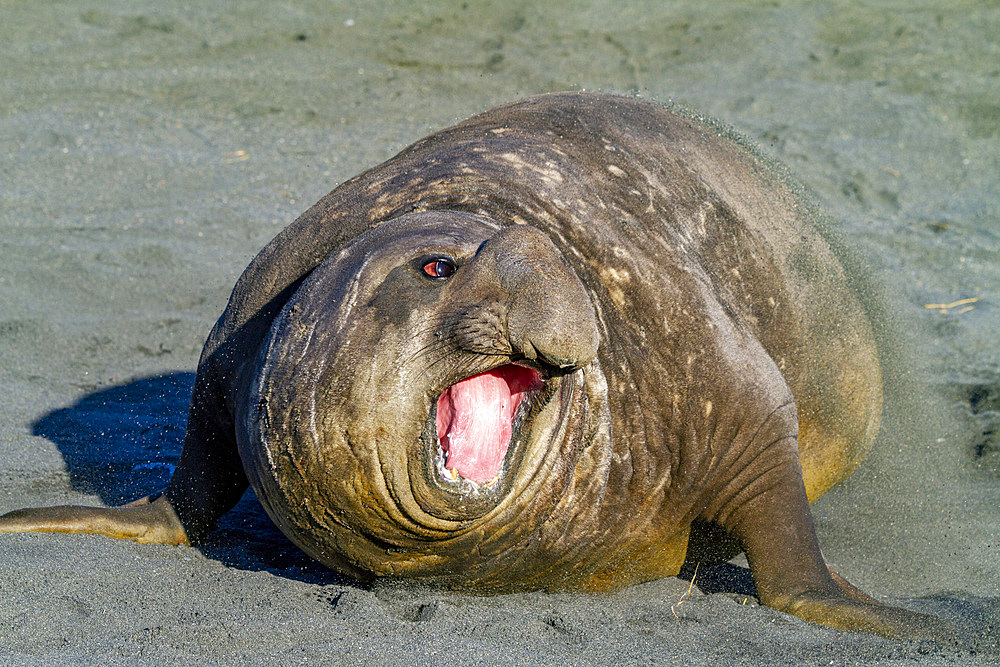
439,268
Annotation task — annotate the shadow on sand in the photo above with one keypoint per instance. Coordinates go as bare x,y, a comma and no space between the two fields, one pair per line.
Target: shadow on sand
122,442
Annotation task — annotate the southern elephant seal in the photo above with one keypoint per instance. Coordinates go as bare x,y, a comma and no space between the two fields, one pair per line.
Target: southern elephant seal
531,351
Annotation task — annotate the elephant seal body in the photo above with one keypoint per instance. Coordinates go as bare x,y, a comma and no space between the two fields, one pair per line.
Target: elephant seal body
531,351
719,309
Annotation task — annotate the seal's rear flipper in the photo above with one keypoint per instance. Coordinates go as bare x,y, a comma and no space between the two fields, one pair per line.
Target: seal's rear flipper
150,520
776,529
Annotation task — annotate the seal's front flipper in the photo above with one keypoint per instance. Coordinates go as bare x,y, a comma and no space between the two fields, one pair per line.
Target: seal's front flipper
147,520
778,536
850,590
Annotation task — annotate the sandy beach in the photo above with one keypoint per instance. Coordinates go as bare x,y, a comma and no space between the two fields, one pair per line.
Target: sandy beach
150,149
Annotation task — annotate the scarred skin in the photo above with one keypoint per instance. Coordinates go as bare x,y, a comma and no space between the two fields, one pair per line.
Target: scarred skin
706,364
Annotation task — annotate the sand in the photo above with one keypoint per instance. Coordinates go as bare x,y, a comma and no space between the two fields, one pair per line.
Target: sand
151,148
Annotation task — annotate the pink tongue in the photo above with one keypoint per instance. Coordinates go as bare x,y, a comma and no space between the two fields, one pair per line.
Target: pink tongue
475,419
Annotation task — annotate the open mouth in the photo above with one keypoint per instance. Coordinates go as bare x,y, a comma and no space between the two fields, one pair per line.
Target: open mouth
475,420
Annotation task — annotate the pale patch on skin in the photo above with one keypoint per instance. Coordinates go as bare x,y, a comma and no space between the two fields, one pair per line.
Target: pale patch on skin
616,274
708,409
703,211
650,208
611,276
562,239
377,185
549,175
617,296
576,253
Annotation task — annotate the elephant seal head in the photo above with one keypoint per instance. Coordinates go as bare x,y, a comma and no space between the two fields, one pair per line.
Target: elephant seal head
420,389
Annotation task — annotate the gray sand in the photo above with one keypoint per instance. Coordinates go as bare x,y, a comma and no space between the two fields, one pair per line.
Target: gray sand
151,148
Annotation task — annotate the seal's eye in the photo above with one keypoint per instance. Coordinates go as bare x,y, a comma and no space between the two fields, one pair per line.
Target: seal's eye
439,268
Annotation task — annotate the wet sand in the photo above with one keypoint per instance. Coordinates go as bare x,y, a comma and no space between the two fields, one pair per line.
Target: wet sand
150,149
